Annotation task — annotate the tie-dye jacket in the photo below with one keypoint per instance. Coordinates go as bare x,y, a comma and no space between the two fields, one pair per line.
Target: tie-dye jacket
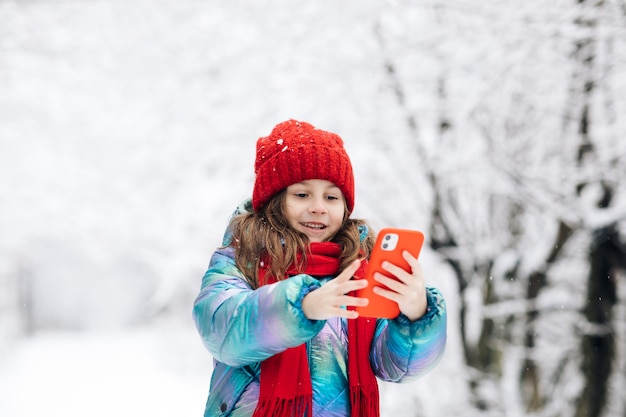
241,327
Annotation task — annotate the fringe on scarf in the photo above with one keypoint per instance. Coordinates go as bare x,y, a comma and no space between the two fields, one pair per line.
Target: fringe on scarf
364,404
282,407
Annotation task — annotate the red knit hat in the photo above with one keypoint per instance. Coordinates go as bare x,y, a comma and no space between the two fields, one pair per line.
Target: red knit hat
296,151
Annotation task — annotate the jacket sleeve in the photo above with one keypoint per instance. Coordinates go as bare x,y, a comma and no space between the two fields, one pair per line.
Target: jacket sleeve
403,350
241,326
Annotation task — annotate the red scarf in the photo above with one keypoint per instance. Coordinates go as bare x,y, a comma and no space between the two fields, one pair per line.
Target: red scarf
286,389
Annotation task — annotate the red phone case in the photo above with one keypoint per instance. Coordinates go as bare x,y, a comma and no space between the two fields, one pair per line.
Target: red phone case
390,244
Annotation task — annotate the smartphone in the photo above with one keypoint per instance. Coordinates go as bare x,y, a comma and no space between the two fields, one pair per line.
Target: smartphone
390,244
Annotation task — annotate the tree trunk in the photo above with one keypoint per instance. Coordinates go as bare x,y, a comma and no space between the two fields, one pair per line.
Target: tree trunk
607,254
529,375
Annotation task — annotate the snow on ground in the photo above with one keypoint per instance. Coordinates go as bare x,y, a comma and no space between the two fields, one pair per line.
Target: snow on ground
117,373
153,372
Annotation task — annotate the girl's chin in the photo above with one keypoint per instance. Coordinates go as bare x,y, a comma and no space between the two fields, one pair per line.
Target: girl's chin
317,235
315,238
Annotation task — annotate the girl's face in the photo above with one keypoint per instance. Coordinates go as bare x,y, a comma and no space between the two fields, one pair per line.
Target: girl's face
315,208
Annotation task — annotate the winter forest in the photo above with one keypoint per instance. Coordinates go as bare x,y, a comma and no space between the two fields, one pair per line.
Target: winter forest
127,134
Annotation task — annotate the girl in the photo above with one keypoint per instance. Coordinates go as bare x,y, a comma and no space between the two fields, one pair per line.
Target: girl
276,307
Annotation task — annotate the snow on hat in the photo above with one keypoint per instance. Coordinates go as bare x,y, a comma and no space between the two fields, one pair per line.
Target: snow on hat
297,151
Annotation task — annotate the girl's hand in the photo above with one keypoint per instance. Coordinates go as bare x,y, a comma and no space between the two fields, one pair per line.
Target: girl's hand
409,290
330,299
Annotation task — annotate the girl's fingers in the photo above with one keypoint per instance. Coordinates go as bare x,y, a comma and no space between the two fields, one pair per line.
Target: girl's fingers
353,285
391,283
391,295
347,273
331,299
411,260
416,268
347,300
401,274
396,271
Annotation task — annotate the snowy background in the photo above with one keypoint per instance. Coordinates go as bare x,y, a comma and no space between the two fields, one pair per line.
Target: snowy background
127,134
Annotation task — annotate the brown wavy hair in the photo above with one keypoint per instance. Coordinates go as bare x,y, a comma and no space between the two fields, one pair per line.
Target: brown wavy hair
267,236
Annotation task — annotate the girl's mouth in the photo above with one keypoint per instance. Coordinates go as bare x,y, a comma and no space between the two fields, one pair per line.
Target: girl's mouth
316,226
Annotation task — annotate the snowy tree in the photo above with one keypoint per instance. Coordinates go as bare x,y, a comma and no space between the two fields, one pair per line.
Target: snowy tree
526,176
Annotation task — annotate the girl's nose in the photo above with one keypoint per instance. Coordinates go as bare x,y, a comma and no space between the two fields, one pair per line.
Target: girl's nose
318,206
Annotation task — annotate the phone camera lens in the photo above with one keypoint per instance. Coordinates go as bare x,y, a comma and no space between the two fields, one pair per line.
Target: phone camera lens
385,246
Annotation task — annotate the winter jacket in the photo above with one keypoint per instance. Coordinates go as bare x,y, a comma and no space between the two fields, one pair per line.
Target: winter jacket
241,327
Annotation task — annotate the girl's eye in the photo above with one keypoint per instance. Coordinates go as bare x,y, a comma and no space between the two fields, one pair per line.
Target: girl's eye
300,195
332,197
